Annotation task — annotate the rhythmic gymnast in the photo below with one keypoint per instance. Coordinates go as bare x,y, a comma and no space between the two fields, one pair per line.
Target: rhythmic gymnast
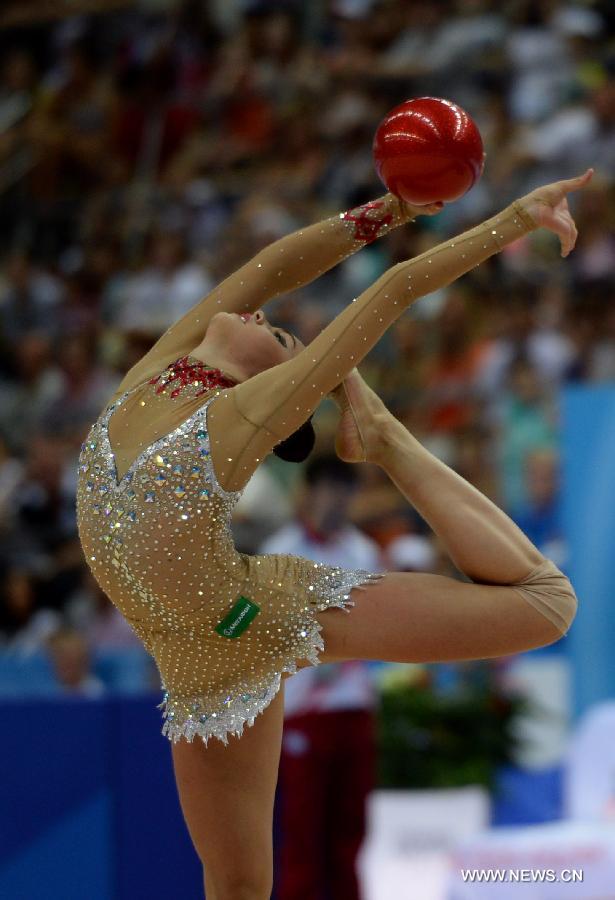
163,466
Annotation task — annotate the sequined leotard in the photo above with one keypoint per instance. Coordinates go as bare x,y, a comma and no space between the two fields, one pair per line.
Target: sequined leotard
163,466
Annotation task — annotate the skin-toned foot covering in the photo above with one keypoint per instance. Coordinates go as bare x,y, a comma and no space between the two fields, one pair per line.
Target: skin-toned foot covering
551,593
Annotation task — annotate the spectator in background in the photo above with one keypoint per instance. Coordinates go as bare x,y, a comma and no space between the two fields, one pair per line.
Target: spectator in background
29,390
455,367
29,298
542,61
327,766
25,625
71,123
595,259
86,386
150,123
526,424
169,285
70,659
43,538
539,516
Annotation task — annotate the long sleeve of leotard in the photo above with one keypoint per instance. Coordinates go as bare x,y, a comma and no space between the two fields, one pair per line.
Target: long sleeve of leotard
258,413
288,263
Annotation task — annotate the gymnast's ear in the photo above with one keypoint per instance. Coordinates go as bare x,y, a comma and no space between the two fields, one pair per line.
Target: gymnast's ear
298,446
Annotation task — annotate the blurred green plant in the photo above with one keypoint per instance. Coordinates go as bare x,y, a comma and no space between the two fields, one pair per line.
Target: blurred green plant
433,739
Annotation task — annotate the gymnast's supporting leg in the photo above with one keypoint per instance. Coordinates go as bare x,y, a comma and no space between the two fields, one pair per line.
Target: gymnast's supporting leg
520,600
227,794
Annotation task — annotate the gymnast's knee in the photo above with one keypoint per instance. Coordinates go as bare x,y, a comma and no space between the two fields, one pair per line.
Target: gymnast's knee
550,592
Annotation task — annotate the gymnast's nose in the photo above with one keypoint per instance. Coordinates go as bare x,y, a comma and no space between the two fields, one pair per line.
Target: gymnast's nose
259,317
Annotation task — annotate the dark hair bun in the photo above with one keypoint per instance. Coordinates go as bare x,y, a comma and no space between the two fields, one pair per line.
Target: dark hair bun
297,446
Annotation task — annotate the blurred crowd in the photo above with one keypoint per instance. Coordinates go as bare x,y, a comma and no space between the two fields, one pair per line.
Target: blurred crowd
146,153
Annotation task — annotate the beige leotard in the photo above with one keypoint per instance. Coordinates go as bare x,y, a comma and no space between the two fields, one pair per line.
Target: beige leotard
163,466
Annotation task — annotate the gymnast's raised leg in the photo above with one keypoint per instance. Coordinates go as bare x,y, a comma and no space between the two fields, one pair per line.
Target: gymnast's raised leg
518,600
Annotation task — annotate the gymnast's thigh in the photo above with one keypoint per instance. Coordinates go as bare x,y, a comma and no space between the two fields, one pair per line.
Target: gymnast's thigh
227,794
419,617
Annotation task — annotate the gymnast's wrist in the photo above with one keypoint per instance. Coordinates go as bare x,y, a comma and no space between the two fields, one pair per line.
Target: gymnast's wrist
520,209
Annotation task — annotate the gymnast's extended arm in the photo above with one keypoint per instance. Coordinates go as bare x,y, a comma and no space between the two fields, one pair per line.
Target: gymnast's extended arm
288,263
259,413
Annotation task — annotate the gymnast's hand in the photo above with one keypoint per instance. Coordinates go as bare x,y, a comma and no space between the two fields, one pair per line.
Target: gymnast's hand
411,210
548,206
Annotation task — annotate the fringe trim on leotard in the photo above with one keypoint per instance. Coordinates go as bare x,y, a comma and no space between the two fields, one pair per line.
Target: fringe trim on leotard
186,717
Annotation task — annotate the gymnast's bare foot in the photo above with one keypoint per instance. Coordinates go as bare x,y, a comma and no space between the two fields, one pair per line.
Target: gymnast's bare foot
363,422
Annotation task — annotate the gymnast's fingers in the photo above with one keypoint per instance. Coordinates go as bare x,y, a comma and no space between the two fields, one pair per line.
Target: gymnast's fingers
575,184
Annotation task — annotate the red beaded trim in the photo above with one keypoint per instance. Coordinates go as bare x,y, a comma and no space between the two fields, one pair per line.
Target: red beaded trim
189,370
366,228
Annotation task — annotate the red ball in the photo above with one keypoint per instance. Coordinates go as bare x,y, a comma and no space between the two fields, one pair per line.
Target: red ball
428,149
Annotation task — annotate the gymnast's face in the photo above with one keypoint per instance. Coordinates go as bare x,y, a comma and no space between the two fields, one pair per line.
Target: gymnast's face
251,342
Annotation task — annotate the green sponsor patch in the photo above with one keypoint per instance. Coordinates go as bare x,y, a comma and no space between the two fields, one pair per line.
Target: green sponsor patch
237,620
